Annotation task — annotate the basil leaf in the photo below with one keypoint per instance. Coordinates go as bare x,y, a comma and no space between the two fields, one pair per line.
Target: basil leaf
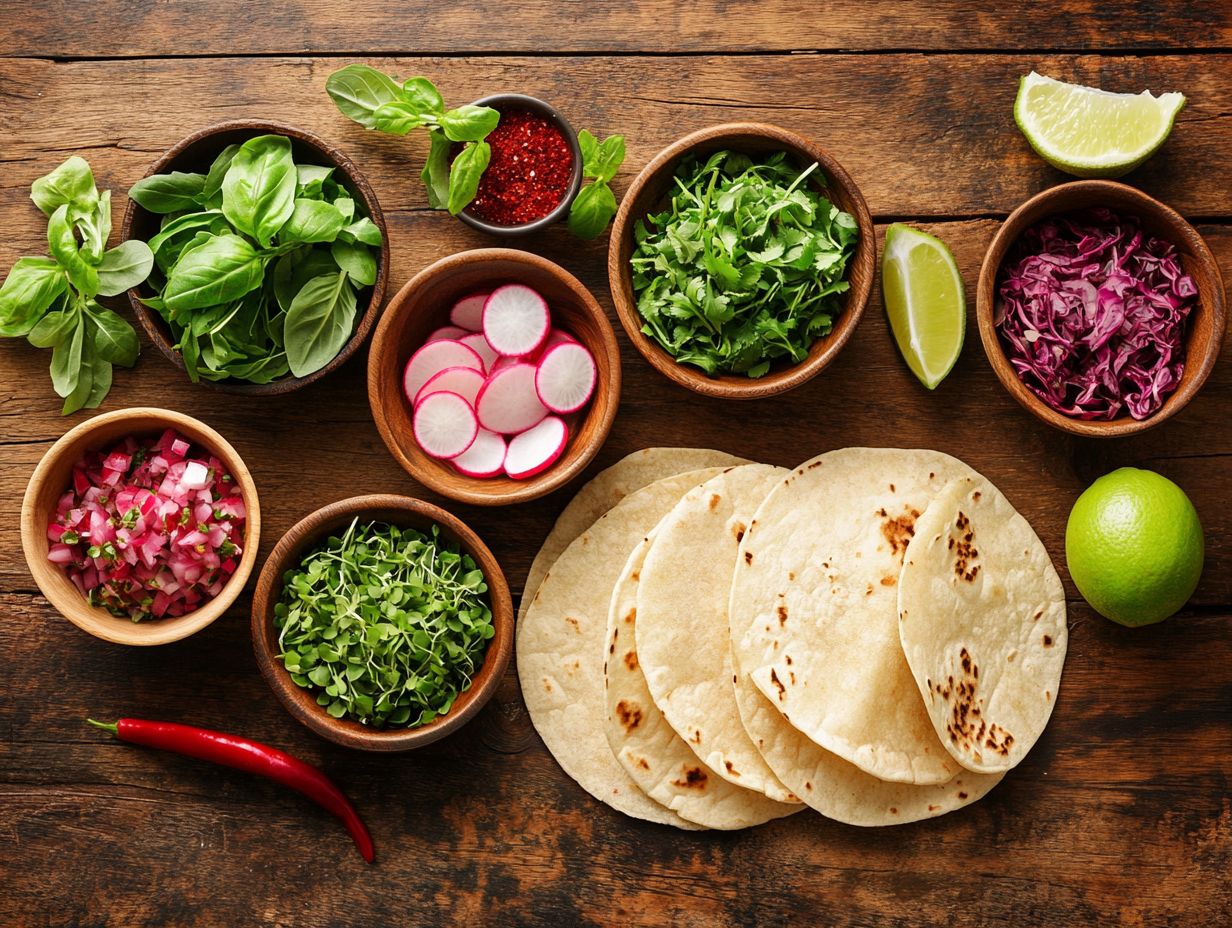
607,159
422,94
258,192
66,361
124,267
435,174
115,341
465,173
71,184
32,287
346,206
593,208
396,118
357,260
263,370
218,170
312,221
319,323
362,230
53,329
468,123
222,269
95,229
100,383
294,270
63,245
310,180
359,91
188,223
588,145
168,193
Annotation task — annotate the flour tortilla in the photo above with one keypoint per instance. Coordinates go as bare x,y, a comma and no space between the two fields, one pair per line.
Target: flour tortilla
561,639
605,490
683,642
814,607
982,623
648,748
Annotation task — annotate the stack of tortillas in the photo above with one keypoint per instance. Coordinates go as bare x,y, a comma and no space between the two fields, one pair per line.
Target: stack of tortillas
711,643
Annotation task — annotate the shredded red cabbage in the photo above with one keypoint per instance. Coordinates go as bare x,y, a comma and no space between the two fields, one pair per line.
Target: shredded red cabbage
1092,314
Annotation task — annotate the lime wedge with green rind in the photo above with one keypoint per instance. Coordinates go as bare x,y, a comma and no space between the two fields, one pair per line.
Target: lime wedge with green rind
924,300
1089,132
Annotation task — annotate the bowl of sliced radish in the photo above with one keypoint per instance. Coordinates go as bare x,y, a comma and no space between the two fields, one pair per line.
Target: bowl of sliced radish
494,376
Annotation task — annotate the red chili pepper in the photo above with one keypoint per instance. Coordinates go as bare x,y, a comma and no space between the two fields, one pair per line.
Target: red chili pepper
251,757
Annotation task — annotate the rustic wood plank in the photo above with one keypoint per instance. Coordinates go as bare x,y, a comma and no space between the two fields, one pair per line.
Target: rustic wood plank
921,135
147,28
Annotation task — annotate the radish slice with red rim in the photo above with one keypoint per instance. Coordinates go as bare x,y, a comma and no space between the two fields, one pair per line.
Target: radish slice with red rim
515,320
467,313
565,377
508,402
478,344
447,333
445,425
536,449
433,358
484,458
464,381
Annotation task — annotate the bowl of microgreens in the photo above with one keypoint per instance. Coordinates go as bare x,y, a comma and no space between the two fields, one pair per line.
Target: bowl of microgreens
741,260
270,256
382,623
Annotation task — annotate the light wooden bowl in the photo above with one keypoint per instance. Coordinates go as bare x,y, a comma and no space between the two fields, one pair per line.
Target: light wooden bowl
196,153
52,477
423,305
332,519
1206,321
649,192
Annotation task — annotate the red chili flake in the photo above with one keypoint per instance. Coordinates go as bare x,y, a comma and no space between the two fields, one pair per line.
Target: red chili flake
529,172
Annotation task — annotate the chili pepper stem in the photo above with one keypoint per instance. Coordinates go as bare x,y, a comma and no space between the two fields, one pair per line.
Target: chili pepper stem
106,726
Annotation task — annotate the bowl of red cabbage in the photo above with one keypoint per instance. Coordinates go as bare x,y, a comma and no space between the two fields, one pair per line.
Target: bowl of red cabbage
1100,309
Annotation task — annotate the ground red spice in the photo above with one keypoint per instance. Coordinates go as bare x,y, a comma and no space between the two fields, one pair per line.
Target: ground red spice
529,172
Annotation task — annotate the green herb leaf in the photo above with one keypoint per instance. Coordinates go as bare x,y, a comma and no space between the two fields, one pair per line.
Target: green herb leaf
95,229
258,191
115,341
179,228
31,288
465,173
592,209
71,184
312,221
222,269
397,117
218,170
124,267
168,193
435,174
63,244
359,91
53,329
66,361
357,260
469,123
362,230
319,323
422,94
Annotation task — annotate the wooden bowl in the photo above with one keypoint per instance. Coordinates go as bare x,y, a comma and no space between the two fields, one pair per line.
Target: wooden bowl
52,477
649,192
423,305
332,519
196,153
1205,325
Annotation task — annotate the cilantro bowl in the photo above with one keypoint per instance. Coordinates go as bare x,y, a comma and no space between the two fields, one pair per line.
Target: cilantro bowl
741,260
382,623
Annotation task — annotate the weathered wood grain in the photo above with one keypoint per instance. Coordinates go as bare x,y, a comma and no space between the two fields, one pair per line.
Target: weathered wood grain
922,135
150,28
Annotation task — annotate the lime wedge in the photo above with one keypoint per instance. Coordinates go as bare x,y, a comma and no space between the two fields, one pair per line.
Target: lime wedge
923,294
1089,132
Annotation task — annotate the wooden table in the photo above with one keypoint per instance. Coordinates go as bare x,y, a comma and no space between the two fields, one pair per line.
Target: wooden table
1121,814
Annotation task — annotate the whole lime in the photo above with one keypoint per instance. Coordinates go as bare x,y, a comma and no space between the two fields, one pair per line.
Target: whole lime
1134,546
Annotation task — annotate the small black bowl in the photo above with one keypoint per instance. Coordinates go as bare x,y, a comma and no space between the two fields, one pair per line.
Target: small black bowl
519,101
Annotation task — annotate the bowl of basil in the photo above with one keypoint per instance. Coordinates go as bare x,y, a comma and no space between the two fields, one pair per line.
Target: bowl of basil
741,260
271,256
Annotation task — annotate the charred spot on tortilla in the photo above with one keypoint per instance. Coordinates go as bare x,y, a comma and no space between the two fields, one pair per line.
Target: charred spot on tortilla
641,762
731,768
694,778
715,499
631,617
787,657
782,613
574,622
738,529
629,713
631,660
898,531
962,795
889,581
791,575
697,736
815,464
966,557
774,678
975,497
748,557
1048,641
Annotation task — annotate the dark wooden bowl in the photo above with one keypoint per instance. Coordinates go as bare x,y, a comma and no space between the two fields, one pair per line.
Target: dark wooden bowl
54,474
648,193
196,153
315,528
1205,325
423,305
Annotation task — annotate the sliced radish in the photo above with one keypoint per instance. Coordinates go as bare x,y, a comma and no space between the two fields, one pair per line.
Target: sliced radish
515,320
503,361
485,458
536,449
433,358
468,312
508,402
464,381
445,425
565,377
447,333
478,344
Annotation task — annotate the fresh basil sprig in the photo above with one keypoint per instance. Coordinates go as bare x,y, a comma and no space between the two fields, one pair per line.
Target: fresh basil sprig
222,233
51,301
595,204
376,101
